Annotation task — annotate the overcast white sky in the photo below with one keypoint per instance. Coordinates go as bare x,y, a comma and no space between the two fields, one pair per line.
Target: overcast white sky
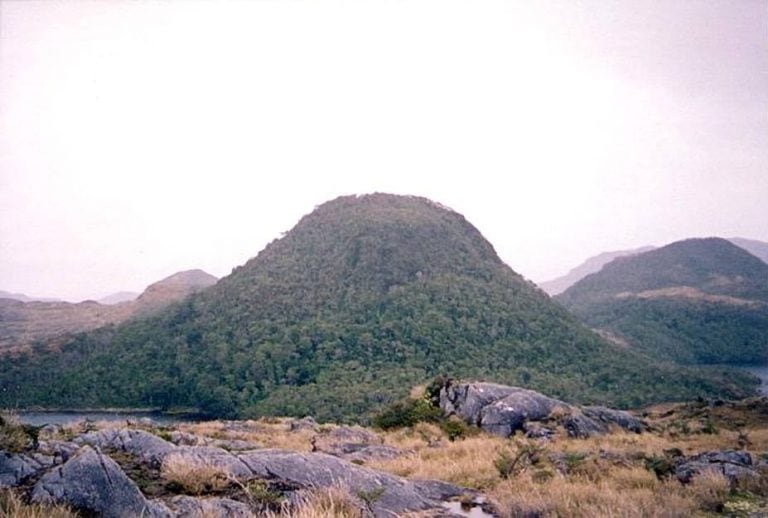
138,139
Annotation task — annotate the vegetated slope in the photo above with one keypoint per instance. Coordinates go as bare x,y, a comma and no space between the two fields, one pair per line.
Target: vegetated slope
23,324
362,299
693,301
591,265
757,248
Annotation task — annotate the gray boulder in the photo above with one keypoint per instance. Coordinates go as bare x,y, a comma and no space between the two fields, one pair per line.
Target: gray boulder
15,468
503,410
578,425
93,483
386,495
148,447
508,414
467,400
733,465
189,439
610,416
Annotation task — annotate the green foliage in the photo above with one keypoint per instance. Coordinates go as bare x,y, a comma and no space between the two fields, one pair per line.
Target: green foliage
364,298
512,462
721,319
662,466
573,459
258,492
370,496
16,437
455,429
406,413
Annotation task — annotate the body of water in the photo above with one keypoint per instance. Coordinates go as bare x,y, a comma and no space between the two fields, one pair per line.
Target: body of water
38,418
761,371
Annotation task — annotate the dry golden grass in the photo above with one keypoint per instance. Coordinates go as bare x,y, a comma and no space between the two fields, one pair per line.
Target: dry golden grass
193,476
323,503
11,506
595,477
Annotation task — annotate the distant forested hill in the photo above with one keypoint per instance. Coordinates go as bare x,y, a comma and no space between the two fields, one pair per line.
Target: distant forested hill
693,301
363,298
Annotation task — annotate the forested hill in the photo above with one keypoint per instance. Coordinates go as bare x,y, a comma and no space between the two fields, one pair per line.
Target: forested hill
363,298
693,301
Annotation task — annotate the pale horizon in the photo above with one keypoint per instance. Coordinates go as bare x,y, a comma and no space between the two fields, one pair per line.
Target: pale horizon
142,139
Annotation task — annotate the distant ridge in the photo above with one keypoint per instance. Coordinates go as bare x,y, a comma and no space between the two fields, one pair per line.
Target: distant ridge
365,297
25,298
591,265
120,296
693,301
23,324
757,248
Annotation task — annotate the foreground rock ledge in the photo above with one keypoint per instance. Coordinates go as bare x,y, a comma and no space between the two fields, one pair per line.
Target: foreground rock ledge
90,481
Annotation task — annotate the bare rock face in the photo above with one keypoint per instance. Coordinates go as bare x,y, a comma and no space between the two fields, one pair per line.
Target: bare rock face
503,410
14,468
619,418
385,495
733,465
148,447
93,483
218,458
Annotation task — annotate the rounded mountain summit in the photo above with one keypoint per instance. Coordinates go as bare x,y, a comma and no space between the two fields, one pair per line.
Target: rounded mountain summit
365,297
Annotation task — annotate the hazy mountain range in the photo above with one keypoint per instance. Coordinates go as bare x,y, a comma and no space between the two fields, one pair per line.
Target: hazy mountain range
594,264
23,324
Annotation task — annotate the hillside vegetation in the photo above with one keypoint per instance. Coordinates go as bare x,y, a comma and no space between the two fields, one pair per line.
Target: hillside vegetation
365,297
694,301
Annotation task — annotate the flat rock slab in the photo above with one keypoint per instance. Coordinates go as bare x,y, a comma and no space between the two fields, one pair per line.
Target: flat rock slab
148,447
218,458
386,495
93,483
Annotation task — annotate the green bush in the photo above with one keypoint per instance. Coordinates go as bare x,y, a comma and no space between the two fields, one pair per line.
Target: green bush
406,413
455,429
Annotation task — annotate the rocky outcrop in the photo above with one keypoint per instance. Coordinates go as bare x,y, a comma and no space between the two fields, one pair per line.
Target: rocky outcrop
503,410
148,447
386,495
610,416
84,474
733,465
92,482
189,439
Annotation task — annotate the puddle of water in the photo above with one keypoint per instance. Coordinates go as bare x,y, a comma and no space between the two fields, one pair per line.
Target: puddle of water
470,511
